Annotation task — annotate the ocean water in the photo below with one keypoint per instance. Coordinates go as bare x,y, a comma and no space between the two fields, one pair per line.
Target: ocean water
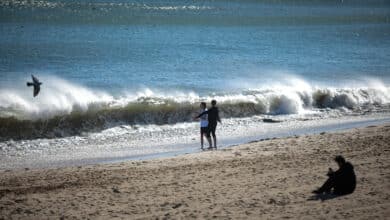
138,69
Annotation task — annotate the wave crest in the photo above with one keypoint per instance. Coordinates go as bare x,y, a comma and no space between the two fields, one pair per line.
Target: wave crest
64,109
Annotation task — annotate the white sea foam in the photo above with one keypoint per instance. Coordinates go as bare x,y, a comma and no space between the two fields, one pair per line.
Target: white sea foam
57,96
126,142
100,5
290,96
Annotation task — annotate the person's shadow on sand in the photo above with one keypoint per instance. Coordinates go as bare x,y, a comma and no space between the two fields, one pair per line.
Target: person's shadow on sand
323,197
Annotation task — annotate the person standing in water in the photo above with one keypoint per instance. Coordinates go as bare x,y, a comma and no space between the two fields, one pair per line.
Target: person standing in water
213,119
204,125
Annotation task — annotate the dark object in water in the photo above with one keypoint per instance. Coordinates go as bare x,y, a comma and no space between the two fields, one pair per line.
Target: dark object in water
270,120
36,84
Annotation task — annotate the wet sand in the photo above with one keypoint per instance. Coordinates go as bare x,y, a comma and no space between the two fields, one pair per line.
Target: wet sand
269,179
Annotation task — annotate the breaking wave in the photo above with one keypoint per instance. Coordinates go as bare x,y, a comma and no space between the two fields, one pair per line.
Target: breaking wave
63,108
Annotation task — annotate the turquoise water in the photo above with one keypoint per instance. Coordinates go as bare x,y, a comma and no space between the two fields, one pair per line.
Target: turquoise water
151,62
202,46
123,79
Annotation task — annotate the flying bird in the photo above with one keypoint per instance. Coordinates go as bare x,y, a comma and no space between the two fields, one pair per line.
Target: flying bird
36,84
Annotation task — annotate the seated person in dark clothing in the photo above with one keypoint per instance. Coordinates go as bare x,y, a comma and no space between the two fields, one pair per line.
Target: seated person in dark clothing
342,181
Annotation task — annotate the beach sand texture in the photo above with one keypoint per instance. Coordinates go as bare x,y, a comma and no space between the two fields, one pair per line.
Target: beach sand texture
270,179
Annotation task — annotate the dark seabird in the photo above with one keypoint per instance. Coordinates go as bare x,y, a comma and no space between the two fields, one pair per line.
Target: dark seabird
36,84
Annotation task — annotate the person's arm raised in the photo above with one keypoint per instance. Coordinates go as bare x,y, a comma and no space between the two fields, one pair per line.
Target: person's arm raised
200,115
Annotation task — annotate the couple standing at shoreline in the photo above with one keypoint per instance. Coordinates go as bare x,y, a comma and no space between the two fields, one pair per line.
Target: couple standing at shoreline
208,123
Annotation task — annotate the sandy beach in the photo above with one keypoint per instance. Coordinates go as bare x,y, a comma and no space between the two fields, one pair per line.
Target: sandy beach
267,179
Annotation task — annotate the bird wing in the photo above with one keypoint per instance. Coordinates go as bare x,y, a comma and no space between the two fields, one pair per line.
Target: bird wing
35,79
37,88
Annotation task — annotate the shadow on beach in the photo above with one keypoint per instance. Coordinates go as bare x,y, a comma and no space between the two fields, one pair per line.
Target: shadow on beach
323,197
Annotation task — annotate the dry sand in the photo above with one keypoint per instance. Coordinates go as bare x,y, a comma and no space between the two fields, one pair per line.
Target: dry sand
269,179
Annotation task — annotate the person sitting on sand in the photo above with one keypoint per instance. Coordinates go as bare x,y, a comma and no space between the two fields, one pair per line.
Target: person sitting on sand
342,181
204,125
213,118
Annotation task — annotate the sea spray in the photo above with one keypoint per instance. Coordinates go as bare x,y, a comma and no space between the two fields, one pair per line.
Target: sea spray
65,109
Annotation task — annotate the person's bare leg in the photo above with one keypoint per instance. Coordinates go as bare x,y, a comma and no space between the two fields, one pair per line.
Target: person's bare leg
201,141
210,143
214,138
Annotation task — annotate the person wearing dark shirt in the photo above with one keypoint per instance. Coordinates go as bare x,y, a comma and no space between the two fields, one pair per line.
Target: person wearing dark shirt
213,118
342,181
